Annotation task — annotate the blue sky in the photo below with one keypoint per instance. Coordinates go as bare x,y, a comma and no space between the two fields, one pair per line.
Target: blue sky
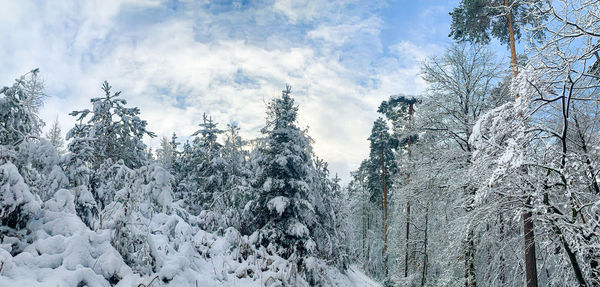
177,59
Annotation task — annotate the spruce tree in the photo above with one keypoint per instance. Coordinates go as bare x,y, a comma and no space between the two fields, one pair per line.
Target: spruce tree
282,213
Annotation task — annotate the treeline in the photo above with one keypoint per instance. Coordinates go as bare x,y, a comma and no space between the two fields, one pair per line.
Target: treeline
272,192
490,177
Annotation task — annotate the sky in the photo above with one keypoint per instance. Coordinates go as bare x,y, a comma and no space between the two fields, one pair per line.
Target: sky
176,60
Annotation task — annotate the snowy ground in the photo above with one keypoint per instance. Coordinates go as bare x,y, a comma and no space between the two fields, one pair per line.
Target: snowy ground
358,278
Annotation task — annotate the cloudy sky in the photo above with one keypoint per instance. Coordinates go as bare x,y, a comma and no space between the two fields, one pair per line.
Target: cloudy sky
178,59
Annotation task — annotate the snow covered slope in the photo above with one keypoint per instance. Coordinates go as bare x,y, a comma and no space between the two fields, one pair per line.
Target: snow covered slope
58,249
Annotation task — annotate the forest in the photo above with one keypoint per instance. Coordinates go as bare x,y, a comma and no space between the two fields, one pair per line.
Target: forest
487,178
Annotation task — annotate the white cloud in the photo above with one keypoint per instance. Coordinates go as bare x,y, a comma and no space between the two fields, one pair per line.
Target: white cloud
177,66
339,34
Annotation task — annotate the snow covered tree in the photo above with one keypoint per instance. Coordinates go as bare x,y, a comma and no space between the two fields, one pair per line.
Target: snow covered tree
19,106
330,231
282,213
105,141
145,192
208,172
399,110
461,89
361,208
115,131
238,174
54,135
184,170
20,163
17,203
167,154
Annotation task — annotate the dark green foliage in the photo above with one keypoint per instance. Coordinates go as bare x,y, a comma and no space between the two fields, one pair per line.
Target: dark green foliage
398,110
381,155
480,20
397,107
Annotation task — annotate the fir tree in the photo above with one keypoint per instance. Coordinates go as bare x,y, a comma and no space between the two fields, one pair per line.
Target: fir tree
167,154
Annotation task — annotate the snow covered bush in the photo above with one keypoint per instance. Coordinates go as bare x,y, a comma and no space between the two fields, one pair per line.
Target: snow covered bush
17,203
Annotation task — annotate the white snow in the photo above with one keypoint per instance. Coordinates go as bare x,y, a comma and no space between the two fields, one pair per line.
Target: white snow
278,203
357,278
63,251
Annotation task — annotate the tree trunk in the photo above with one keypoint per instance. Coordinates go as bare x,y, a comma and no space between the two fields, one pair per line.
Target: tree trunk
364,235
511,35
530,257
384,203
384,252
530,260
364,215
411,110
425,257
407,237
573,258
502,264
584,148
470,279
368,259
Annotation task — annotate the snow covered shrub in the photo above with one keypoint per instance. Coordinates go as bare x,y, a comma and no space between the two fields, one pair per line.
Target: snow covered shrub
143,194
40,166
130,237
156,187
61,251
17,203
108,179
86,206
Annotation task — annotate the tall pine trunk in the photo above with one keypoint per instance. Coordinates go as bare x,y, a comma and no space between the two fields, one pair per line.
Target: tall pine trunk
385,225
530,256
511,35
411,110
